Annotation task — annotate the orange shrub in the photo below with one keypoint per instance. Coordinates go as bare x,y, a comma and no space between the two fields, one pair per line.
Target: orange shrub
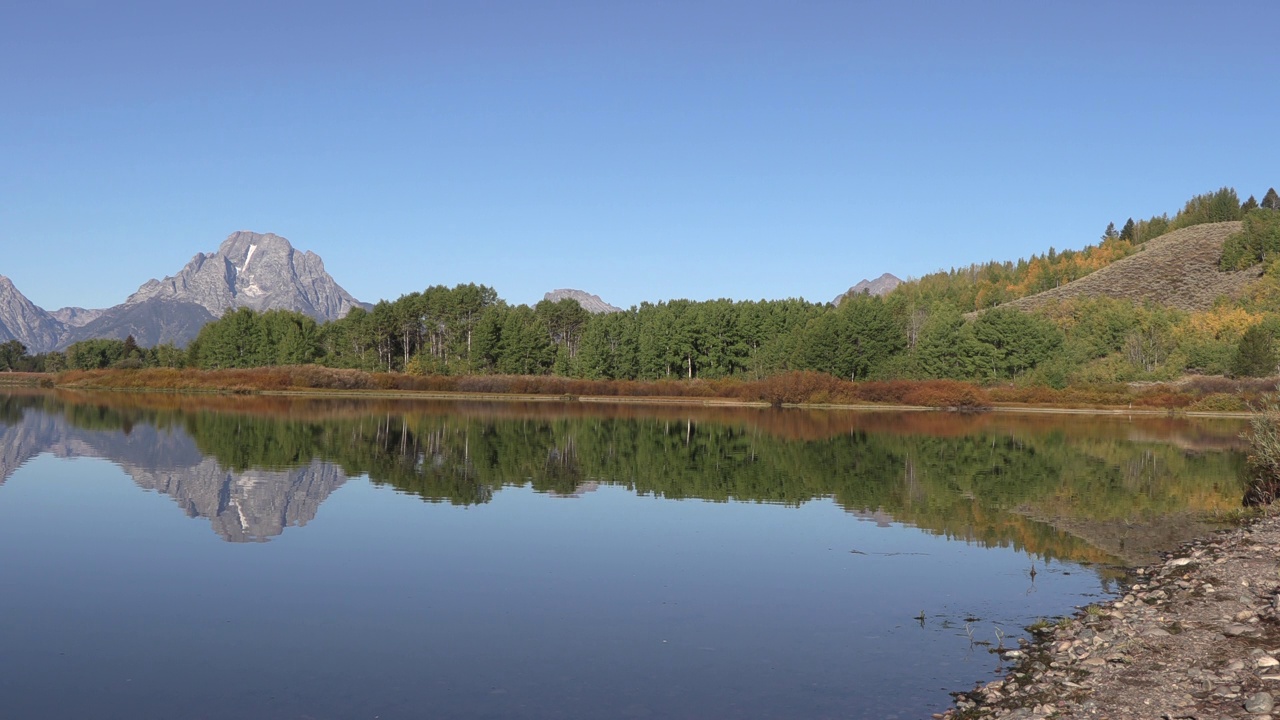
947,394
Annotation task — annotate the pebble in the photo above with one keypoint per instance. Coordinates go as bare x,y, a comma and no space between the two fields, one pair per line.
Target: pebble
1145,654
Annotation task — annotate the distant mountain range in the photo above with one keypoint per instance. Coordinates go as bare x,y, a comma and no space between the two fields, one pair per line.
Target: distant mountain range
257,271
262,272
590,303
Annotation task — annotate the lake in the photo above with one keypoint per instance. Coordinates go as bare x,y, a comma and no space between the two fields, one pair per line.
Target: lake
265,557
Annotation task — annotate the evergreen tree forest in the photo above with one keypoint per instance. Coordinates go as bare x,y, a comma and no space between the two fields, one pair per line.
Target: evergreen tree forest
945,325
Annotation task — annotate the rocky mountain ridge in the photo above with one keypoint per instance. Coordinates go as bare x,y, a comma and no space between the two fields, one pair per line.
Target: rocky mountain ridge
881,286
257,271
591,303
22,320
261,272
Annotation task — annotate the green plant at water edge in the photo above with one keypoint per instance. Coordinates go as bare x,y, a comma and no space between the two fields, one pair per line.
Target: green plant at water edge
1264,454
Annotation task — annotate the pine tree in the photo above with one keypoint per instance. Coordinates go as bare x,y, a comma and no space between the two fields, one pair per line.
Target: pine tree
1126,233
1271,200
1110,233
1250,204
1255,355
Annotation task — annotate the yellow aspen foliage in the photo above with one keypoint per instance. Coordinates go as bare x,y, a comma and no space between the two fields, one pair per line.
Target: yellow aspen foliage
1221,323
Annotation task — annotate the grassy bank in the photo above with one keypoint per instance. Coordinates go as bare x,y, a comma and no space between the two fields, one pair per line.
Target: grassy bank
1199,394
24,379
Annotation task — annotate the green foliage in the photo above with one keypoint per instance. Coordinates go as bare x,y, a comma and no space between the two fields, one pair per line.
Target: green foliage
1212,207
94,354
1010,342
12,355
1127,232
1255,355
1258,239
525,347
1248,206
853,341
1150,343
1271,201
947,347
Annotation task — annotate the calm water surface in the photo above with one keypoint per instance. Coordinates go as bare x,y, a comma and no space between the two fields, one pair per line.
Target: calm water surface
265,558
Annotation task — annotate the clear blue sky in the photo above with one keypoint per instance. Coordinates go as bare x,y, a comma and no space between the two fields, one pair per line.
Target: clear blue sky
642,151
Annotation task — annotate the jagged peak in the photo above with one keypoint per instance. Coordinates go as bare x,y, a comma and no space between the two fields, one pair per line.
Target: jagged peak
882,285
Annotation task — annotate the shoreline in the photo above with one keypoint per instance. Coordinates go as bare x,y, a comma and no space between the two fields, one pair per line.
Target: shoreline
1196,636
663,400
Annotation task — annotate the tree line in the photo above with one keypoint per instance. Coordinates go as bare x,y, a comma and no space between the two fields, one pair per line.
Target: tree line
922,330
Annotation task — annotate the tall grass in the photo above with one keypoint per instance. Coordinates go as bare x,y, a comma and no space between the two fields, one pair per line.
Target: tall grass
1264,454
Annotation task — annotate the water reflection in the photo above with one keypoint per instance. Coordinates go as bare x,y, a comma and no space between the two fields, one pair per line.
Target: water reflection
543,580
242,505
1083,489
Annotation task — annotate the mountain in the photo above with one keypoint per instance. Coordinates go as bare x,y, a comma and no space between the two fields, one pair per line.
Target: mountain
1178,270
590,303
261,272
882,285
74,317
22,320
257,271
150,322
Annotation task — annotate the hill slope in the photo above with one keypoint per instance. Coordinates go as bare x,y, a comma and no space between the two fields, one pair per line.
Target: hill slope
1177,270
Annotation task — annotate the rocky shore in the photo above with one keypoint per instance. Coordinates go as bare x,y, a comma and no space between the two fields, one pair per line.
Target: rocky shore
1196,636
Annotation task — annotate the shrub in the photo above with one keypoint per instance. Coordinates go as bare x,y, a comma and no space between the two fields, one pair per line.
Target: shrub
1219,402
796,387
947,394
1264,454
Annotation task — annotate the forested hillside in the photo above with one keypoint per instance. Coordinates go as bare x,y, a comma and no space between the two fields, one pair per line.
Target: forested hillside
924,329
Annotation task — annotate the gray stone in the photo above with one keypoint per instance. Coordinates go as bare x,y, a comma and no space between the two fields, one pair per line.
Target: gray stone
1259,704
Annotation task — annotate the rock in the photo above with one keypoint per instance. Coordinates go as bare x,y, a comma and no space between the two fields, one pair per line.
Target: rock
1259,704
1266,661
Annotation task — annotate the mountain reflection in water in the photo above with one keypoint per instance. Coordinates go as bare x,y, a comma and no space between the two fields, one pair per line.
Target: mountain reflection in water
1062,487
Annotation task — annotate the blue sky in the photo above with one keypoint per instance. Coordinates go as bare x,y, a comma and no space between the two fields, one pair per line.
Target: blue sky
641,151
